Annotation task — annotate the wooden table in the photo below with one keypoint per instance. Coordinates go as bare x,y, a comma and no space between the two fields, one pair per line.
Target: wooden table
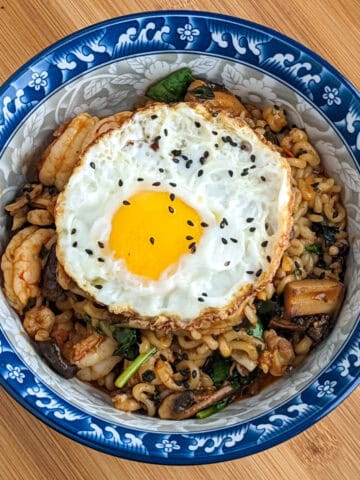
329,450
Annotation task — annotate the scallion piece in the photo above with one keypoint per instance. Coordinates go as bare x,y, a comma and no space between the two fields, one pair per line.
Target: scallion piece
125,376
213,409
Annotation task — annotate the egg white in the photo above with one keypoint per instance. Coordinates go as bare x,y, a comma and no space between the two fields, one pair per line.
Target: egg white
221,269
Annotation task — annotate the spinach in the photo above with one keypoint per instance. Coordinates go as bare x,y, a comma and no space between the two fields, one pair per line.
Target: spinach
127,342
219,369
238,381
266,309
313,249
327,231
203,92
171,88
258,330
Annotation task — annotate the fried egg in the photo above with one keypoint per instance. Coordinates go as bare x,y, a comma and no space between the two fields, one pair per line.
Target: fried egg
176,217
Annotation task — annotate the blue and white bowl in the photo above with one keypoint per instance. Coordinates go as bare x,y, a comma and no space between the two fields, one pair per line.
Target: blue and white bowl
103,69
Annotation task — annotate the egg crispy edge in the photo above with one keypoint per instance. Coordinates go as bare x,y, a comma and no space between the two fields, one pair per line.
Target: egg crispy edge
210,316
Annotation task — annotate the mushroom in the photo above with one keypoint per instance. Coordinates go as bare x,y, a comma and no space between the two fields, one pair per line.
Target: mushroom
51,288
54,358
178,406
312,297
280,324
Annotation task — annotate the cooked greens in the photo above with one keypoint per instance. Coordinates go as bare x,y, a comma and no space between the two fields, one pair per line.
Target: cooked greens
125,376
171,88
127,342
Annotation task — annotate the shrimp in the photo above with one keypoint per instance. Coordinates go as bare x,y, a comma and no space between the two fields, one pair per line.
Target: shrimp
164,371
61,156
100,370
38,323
124,402
92,350
21,265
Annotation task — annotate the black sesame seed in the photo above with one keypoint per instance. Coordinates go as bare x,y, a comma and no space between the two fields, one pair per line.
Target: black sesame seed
224,241
197,124
226,264
184,157
200,172
100,260
224,139
172,196
165,132
258,273
186,385
101,245
252,166
161,170
249,272
233,240
92,165
335,214
126,202
244,173
202,161
73,231
88,251
75,244
236,328
172,184
223,223
214,132
99,287
192,245
185,356
266,226
204,294
215,114
120,183
264,243
252,158
206,154
268,258
204,224
156,139
216,145
200,299
175,160
171,210
156,184
153,117
263,178
249,219
189,237
231,173
252,229
297,265
152,240
162,357
188,163
176,152
193,249
194,374
189,222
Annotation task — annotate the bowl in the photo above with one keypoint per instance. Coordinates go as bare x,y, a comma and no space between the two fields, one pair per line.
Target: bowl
103,69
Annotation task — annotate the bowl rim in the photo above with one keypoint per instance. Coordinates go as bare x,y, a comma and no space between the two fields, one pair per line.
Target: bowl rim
181,458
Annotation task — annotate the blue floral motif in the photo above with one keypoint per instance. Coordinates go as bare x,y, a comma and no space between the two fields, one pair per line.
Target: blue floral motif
327,388
133,37
331,96
15,373
188,32
168,445
38,80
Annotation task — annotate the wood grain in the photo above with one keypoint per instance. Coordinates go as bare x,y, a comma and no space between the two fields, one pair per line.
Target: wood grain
330,449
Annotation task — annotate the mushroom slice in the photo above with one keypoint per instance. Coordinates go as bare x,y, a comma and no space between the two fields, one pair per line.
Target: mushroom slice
179,406
311,297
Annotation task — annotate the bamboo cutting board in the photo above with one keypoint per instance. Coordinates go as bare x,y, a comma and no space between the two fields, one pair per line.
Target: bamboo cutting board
330,449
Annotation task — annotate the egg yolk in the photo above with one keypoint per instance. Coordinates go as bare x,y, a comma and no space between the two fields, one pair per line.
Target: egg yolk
152,230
